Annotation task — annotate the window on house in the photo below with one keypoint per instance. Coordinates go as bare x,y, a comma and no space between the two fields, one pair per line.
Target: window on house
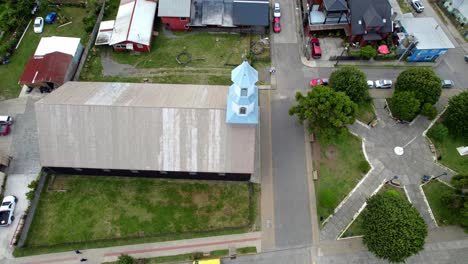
429,57
243,110
134,171
139,46
106,170
163,172
78,169
192,173
183,19
244,92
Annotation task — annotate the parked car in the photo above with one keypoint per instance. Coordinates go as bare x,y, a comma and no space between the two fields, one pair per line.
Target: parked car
466,58
50,18
318,81
7,210
276,10
6,119
370,84
38,25
447,84
4,129
276,25
315,47
417,6
383,84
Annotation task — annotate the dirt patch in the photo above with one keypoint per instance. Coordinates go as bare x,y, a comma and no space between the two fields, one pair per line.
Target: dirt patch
331,153
200,198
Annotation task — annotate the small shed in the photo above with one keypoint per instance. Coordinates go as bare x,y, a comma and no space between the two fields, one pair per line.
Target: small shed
105,32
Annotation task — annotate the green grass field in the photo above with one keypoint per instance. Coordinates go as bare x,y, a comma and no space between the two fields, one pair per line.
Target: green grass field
12,72
435,191
355,229
340,171
100,208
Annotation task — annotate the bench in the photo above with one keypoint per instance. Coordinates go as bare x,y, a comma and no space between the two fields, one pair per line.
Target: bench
315,174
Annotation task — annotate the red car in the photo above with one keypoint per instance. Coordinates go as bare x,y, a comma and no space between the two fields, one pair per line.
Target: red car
315,82
4,129
276,25
315,47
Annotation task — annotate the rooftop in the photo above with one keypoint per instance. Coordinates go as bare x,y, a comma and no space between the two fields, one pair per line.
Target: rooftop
174,8
427,32
57,44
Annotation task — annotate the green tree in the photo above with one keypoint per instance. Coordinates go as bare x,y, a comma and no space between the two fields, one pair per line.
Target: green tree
404,105
456,116
368,52
429,110
326,110
425,84
352,82
458,200
125,259
438,132
393,229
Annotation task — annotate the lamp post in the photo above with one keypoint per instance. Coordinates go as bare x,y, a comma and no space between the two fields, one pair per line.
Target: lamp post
338,59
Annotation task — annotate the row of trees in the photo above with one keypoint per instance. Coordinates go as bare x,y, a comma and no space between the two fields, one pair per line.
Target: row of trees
11,11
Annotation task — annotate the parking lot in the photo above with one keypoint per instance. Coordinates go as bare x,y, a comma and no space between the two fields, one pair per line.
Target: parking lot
22,145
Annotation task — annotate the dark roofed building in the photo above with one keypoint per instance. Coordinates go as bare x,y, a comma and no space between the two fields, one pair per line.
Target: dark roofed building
335,5
251,12
371,20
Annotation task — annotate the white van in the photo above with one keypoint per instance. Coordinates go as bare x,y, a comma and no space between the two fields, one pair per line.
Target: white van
6,120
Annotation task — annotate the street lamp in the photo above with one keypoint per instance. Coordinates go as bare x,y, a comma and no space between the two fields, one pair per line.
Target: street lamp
338,59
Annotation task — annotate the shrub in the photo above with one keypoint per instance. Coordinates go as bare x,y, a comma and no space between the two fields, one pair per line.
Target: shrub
438,132
368,52
125,259
364,166
429,110
30,195
456,116
404,105
89,22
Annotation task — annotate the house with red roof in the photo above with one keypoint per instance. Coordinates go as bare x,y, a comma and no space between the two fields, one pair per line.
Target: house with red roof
132,29
53,63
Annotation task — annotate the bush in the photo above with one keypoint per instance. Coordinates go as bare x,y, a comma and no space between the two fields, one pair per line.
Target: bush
429,110
125,259
368,52
404,105
456,116
438,132
364,166
89,22
33,184
30,195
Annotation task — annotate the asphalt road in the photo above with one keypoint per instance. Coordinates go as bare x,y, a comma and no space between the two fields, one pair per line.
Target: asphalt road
291,197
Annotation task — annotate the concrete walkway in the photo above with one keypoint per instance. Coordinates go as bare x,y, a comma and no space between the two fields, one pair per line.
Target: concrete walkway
379,143
149,250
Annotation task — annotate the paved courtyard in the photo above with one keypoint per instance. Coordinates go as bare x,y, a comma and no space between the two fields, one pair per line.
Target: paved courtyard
415,161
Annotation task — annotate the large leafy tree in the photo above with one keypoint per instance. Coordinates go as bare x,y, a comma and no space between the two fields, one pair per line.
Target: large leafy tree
352,82
456,116
393,229
404,105
326,110
457,200
425,84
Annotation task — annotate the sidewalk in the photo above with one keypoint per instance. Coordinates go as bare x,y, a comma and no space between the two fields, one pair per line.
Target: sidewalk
149,250
362,63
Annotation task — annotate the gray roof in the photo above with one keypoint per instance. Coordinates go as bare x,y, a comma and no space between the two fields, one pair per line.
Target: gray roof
427,32
174,8
370,13
251,12
136,126
335,5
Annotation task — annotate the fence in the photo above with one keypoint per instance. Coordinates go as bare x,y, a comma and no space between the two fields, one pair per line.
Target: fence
90,43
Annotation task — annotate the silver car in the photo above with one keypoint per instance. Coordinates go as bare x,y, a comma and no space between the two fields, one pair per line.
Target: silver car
446,84
383,84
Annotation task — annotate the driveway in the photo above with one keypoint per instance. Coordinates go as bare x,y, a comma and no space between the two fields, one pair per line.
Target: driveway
24,167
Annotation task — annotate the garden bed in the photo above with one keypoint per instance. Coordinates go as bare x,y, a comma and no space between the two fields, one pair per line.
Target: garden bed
87,212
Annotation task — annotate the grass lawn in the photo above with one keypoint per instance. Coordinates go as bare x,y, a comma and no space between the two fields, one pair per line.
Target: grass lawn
12,72
342,165
104,211
404,6
450,156
355,229
434,192
365,112
213,56
188,257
